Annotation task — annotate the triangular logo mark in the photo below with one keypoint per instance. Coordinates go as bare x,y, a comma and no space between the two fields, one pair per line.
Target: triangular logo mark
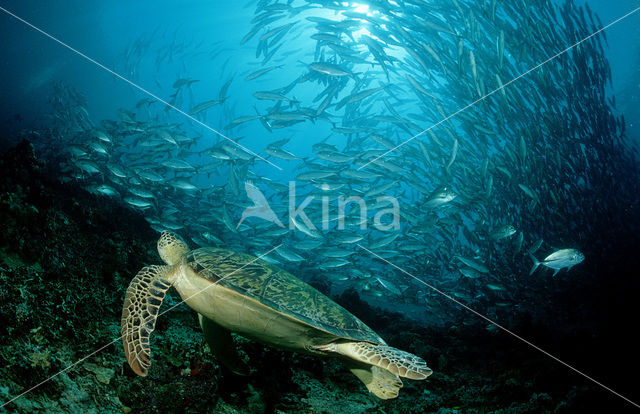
260,208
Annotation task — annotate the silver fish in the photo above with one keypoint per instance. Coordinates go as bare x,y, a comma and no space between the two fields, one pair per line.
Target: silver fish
558,260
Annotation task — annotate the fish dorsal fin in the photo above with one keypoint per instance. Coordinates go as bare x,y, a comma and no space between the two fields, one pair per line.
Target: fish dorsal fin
139,313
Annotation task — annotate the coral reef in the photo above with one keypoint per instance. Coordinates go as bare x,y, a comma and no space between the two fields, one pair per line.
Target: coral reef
66,257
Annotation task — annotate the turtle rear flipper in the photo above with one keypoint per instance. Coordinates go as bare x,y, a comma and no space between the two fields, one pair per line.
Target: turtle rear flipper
221,344
386,357
382,383
141,305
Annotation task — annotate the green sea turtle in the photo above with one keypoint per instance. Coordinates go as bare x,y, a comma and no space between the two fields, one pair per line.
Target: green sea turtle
236,292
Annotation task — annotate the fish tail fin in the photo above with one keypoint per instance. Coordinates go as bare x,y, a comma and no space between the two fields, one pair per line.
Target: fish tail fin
536,263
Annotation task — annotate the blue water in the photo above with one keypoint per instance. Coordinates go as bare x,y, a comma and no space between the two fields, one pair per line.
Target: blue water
103,32
152,44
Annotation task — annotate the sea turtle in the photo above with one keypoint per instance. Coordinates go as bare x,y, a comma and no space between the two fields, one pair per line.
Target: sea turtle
236,292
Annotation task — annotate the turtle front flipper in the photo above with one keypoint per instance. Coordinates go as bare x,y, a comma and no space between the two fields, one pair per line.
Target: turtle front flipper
141,305
393,360
221,344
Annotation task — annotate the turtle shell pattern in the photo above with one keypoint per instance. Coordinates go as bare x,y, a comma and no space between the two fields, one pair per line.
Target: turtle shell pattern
279,290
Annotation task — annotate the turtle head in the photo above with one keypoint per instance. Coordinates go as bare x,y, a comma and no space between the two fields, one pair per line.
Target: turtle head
171,247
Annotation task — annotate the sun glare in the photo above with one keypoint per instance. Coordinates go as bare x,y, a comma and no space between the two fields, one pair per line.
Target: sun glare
361,8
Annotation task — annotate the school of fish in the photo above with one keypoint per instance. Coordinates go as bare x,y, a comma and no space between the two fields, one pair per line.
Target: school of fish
429,109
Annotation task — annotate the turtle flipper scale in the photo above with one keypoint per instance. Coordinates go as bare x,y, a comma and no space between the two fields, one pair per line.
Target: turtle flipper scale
393,360
141,305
